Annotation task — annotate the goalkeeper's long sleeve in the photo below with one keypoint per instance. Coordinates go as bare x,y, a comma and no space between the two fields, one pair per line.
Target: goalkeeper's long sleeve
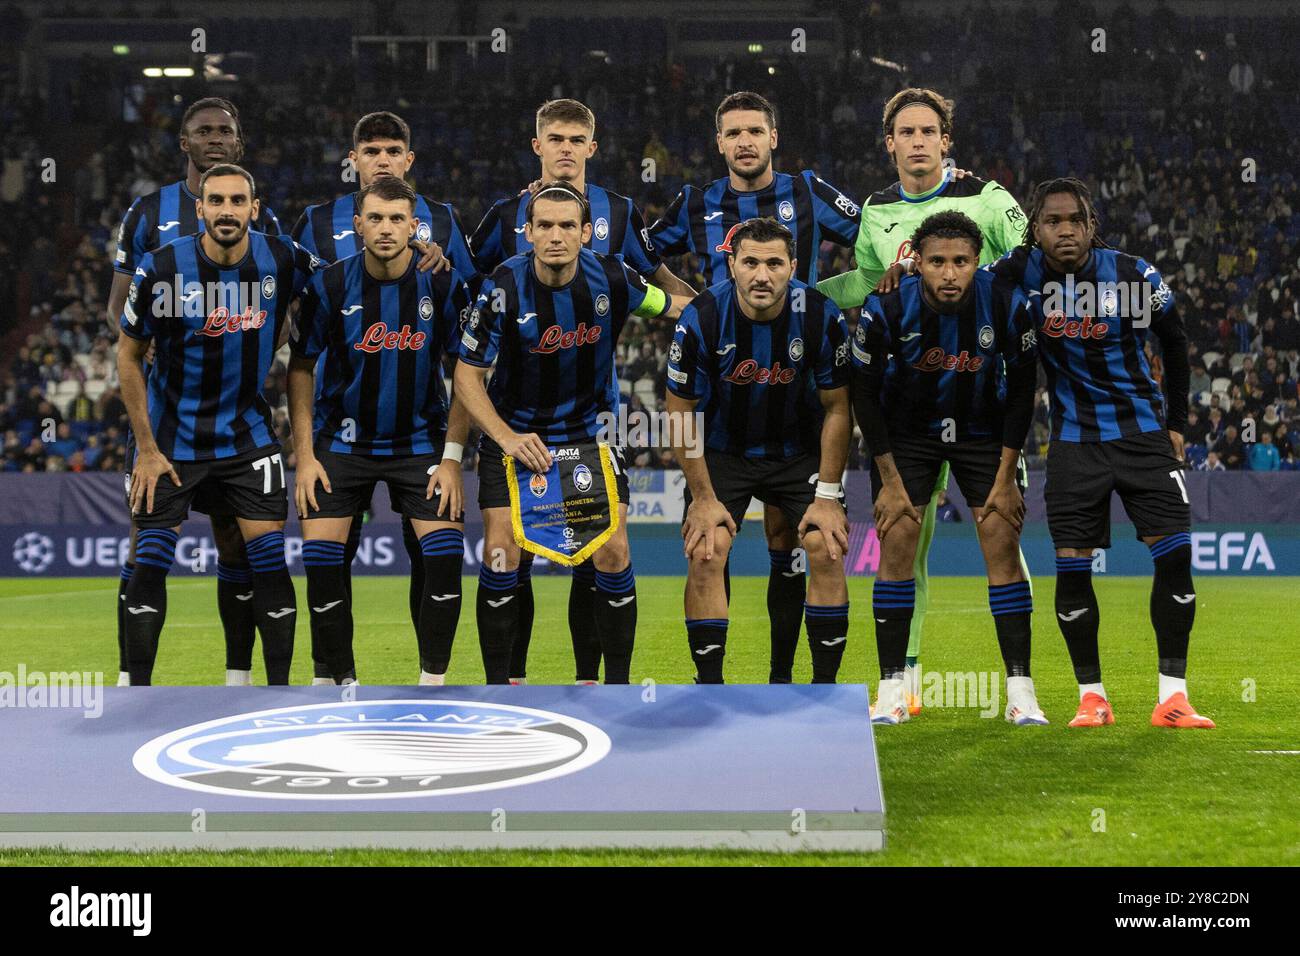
848,289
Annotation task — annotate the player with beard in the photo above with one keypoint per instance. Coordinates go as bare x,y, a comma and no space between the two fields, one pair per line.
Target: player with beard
945,374
549,321
213,305
381,146
763,358
382,327
211,133
703,222
1113,432
917,125
565,140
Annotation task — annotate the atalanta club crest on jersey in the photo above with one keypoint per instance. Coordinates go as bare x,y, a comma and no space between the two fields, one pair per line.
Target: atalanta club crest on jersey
785,210
582,478
366,750
1108,302
426,308
422,232
986,337
796,349
537,485
601,228
602,304
268,287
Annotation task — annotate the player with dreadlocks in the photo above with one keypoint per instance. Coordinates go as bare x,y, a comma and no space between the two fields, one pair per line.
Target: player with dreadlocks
1112,432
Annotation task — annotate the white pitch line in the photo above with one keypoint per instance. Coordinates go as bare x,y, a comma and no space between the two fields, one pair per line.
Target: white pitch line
1288,753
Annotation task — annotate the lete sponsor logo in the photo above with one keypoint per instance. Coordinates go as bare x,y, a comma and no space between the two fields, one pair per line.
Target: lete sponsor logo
366,750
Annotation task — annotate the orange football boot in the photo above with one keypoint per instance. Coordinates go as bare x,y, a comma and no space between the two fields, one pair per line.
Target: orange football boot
1094,711
1177,712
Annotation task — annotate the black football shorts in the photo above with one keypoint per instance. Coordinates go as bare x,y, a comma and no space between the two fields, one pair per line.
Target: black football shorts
920,458
1142,468
353,479
207,500
251,485
785,483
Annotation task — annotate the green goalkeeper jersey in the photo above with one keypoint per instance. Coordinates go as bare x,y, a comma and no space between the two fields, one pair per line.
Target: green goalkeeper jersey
890,217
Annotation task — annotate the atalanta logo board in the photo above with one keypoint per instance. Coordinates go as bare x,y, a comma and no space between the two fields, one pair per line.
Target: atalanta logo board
367,750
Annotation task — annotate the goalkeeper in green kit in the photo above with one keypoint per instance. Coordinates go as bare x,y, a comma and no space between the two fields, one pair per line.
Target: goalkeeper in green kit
918,134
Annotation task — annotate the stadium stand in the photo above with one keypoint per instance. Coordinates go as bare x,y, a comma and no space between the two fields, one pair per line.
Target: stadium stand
1187,150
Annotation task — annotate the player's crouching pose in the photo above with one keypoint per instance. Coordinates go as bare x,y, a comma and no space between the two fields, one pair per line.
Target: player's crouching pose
549,320
384,327
1112,432
954,350
764,358
214,305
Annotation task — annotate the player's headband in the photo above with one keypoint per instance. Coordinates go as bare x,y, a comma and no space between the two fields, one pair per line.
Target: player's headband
569,193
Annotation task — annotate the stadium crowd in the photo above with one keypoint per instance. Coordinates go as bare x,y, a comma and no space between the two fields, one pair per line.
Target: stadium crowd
1195,175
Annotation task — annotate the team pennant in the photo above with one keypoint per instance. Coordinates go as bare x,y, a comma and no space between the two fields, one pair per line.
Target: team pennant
567,512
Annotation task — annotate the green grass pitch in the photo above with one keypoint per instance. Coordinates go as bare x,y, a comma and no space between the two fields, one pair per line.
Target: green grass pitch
959,790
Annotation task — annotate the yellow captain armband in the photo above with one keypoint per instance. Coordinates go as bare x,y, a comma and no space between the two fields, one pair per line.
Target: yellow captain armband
654,303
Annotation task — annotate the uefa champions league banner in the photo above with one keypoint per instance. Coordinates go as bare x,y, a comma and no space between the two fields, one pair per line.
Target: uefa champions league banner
57,525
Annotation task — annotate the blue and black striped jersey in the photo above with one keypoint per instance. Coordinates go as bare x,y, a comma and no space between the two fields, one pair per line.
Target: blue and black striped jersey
617,229
553,348
1092,332
164,216
326,230
701,221
757,382
943,374
215,330
380,388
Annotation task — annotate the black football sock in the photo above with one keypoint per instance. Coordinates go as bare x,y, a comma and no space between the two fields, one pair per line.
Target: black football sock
1076,615
330,608
415,588
892,604
123,580
707,638
828,632
496,608
235,607
275,603
524,628
320,670
146,600
351,548
1173,602
615,618
1012,605
582,623
443,554
786,589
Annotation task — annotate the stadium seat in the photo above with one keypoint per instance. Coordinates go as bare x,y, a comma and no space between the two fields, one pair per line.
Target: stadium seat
1221,385
1211,357
644,389
1237,360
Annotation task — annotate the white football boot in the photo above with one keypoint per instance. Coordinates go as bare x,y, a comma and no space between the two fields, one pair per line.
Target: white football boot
891,703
